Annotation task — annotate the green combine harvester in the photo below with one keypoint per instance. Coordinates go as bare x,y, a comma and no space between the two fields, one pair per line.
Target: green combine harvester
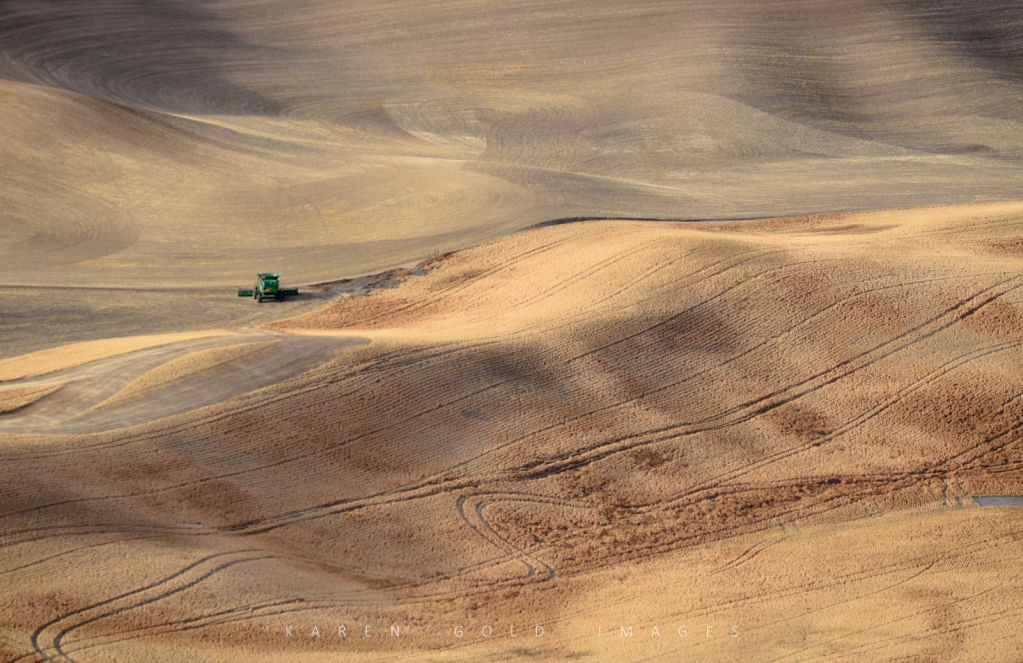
268,287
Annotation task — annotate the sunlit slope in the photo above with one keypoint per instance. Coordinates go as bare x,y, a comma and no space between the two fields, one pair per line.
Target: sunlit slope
323,138
776,424
803,347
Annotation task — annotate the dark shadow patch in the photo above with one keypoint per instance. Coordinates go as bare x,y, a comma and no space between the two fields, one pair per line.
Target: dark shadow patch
989,32
1012,248
161,54
803,423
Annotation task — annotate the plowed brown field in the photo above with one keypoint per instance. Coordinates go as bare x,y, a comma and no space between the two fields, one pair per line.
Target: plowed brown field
765,436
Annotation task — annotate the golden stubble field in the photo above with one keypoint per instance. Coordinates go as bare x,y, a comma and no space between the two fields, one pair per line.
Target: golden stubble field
766,436
174,144
770,429
156,155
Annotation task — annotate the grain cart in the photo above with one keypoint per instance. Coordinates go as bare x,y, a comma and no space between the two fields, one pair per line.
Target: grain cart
268,287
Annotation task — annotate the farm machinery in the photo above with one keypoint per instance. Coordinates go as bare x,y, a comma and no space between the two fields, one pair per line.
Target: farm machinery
268,287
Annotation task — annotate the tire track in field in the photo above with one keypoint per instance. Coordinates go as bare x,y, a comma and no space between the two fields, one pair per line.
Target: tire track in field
328,509
242,614
438,295
682,283
862,418
935,470
748,555
754,408
72,551
479,500
505,539
719,486
260,468
569,281
69,411
608,407
882,350
694,277
774,340
327,379
481,510
705,328
730,360
620,445
474,519
545,327
442,293
675,317
868,649
916,565
55,531
50,636
724,481
220,416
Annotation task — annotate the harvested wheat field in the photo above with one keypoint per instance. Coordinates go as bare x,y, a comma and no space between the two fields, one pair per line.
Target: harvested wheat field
156,148
664,330
606,440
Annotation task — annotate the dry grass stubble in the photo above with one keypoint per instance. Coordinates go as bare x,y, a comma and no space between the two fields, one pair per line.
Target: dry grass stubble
12,399
66,356
181,369
776,426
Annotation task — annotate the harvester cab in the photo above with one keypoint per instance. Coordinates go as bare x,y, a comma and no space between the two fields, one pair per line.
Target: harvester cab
268,287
